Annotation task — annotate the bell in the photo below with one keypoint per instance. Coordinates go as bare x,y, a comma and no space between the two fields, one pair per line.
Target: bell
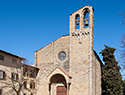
77,22
86,23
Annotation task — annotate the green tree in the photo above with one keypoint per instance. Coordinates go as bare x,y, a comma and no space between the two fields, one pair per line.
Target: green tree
111,76
124,87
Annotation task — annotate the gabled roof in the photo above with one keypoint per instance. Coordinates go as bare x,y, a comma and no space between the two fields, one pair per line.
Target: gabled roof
32,66
81,8
96,55
52,42
59,70
11,54
62,71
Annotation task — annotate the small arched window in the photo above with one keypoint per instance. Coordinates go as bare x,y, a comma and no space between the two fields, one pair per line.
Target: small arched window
77,21
25,84
32,85
86,18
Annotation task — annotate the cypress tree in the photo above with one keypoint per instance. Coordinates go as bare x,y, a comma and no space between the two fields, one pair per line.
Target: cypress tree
123,87
111,76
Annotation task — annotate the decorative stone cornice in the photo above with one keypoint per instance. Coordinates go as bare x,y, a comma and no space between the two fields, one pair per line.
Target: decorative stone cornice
80,33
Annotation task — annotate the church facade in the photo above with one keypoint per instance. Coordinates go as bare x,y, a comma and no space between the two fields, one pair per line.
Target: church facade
69,65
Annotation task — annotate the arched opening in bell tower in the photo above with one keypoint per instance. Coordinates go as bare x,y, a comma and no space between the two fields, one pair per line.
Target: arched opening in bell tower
86,18
77,21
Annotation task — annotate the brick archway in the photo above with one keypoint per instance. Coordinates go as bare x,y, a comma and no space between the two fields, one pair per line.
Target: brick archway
58,85
57,78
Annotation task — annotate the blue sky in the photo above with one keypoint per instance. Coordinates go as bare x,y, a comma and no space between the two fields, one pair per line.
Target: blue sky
28,25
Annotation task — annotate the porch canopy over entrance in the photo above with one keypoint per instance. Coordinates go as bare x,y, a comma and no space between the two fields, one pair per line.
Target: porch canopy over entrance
59,82
58,76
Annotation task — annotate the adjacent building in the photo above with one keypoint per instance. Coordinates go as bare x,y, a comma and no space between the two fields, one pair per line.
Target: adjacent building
16,77
29,79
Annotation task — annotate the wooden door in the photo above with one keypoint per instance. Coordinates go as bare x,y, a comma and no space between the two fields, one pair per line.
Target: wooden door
0,91
61,90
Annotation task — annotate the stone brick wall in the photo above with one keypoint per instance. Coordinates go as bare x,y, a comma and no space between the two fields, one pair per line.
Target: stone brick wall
46,59
49,53
96,74
80,56
81,41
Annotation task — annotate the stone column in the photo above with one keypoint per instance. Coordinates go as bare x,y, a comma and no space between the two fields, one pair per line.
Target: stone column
67,84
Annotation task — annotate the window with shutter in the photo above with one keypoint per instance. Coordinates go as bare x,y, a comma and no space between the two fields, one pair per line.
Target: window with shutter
32,85
2,74
14,76
0,91
25,72
24,94
31,73
25,84
17,77
1,57
14,61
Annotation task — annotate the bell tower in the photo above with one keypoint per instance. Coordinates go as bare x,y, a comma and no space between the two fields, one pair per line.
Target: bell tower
81,50
82,21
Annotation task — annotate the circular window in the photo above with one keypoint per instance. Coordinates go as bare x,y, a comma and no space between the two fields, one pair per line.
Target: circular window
62,56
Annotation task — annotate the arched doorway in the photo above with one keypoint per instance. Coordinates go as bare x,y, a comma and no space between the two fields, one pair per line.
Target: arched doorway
58,85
